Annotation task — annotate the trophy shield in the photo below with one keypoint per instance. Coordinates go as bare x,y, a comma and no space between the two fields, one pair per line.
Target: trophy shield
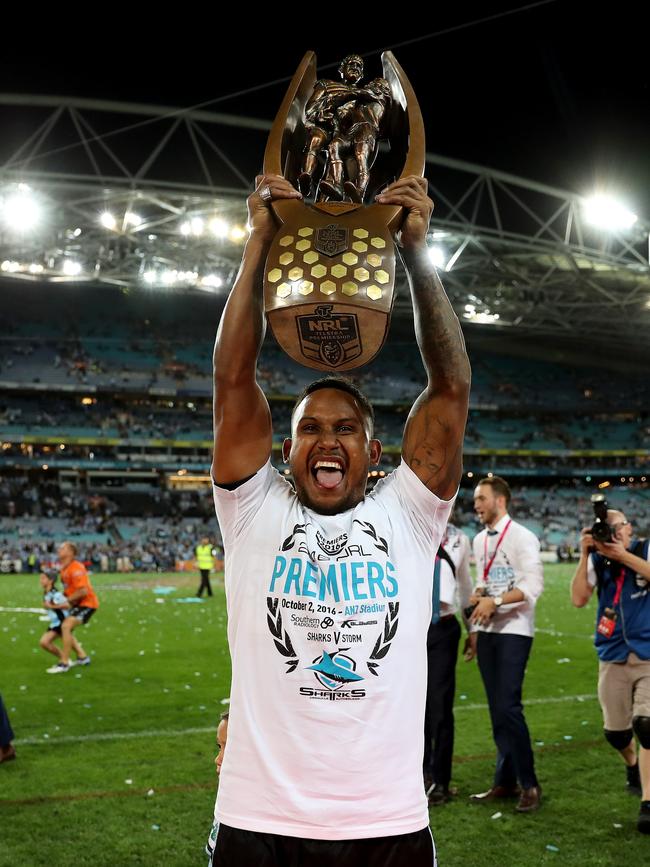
329,278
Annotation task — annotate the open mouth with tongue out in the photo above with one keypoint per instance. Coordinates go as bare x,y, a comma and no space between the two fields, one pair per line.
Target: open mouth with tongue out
328,473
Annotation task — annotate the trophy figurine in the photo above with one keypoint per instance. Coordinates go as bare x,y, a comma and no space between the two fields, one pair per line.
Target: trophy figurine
330,273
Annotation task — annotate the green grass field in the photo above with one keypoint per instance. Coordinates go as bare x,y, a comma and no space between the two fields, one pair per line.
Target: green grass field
115,761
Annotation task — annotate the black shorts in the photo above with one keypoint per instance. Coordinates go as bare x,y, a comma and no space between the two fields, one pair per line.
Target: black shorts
82,613
56,629
237,848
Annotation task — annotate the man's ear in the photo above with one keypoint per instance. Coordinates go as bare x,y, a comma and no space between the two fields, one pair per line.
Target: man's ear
286,448
375,452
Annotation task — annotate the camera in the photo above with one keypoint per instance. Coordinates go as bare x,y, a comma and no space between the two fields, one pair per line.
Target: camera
601,530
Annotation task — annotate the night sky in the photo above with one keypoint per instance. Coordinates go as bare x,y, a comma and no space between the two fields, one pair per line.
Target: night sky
557,92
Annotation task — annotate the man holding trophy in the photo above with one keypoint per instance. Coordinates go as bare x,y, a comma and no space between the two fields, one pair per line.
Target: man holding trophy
329,590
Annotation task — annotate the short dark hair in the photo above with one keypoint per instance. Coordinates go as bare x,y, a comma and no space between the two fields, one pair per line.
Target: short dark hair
342,383
224,716
500,488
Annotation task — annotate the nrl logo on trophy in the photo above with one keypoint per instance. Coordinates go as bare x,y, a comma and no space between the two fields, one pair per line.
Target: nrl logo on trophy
330,273
329,338
331,240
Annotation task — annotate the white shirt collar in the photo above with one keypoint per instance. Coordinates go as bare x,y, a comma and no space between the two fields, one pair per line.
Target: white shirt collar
501,524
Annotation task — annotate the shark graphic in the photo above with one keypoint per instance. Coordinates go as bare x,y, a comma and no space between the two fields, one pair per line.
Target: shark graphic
333,673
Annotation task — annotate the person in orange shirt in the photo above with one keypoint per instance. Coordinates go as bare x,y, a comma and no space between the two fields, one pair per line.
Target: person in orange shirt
83,603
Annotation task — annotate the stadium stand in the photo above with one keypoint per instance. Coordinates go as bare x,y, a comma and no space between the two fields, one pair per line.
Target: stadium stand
106,428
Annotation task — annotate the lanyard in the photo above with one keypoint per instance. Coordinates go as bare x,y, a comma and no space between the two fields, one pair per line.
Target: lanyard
486,568
619,587
435,597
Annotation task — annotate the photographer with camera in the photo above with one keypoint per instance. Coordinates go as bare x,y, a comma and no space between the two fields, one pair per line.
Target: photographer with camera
617,567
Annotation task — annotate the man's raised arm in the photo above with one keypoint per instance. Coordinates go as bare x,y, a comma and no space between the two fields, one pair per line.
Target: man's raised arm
433,436
242,419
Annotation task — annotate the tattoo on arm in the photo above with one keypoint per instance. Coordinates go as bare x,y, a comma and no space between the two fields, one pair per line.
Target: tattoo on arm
437,328
434,432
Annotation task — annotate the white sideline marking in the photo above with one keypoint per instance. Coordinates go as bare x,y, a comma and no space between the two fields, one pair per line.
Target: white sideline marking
24,610
176,733
118,736
556,634
551,699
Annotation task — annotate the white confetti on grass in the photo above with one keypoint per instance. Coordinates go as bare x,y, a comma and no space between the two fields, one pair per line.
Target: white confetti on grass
496,815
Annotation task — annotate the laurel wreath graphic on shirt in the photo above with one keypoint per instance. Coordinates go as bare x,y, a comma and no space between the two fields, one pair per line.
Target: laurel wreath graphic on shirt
380,543
280,635
290,541
383,643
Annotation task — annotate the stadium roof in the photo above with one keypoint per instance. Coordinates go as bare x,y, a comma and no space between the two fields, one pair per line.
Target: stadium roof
132,194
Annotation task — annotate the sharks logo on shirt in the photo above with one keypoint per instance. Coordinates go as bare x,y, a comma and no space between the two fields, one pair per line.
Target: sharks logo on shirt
334,670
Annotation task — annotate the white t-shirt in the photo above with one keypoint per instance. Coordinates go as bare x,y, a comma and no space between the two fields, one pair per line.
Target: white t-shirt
327,625
455,590
517,564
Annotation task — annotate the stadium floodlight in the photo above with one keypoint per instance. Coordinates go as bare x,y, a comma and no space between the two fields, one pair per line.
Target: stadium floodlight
218,227
237,233
20,210
606,213
107,220
482,317
168,277
10,266
71,268
35,268
195,227
211,281
437,256
132,219
149,277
